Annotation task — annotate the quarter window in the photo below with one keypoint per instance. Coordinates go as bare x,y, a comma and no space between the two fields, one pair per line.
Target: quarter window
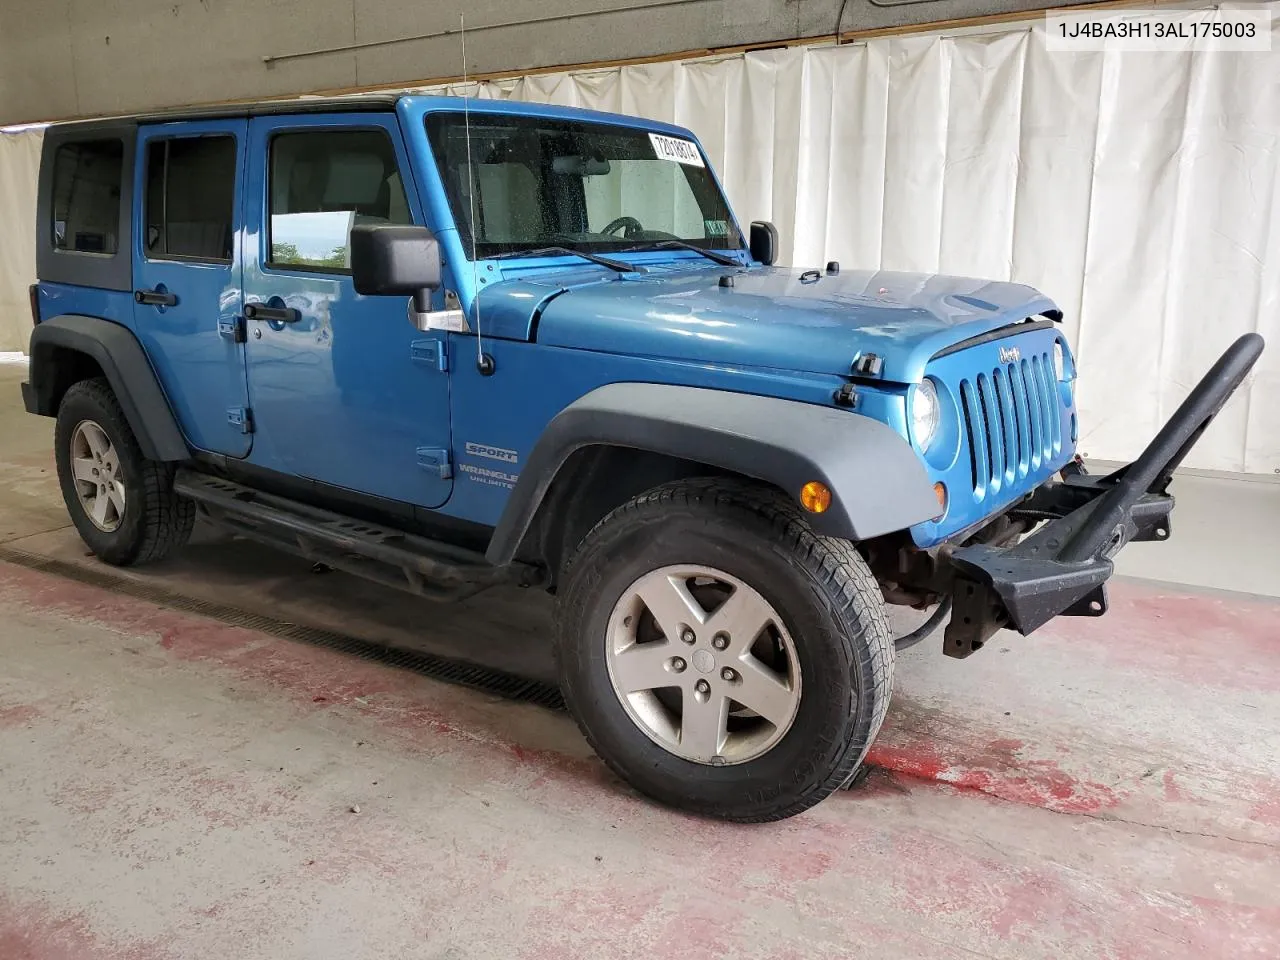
86,196
191,189
322,184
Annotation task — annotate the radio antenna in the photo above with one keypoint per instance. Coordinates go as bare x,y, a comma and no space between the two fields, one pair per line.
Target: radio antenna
484,363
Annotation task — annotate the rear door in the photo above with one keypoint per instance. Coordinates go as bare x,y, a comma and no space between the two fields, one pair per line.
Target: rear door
187,275
345,389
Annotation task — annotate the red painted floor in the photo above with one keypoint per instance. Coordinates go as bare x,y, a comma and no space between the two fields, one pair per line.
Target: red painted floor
172,787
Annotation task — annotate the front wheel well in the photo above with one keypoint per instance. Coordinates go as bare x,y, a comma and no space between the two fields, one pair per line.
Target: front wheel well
593,481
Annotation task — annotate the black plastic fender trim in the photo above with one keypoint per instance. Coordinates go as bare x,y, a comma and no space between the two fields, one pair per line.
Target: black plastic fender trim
124,363
878,484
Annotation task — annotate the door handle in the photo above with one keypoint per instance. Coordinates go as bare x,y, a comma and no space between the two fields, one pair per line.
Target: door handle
260,311
155,298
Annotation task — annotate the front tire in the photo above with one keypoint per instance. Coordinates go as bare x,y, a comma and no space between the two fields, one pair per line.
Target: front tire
122,504
721,656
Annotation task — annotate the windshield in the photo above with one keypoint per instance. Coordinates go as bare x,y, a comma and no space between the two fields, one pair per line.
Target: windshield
589,186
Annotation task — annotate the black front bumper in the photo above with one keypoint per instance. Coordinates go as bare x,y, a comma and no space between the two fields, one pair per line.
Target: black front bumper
1063,567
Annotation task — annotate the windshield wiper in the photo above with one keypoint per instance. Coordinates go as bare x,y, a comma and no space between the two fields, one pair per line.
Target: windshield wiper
722,258
618,265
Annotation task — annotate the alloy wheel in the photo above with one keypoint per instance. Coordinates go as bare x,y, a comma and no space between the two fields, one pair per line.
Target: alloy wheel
703,664
95,466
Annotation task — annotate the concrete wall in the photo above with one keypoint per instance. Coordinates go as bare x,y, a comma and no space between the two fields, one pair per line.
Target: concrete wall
65,58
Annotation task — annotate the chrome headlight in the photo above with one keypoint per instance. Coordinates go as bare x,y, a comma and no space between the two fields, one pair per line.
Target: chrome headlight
925,413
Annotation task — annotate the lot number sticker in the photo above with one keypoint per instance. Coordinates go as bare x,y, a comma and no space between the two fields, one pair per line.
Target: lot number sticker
673,148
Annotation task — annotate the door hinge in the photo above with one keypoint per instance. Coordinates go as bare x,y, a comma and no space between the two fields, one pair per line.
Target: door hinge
241,418
432,352
232,329
436,460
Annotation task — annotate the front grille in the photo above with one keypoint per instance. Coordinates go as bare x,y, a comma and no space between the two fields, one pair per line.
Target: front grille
1012,421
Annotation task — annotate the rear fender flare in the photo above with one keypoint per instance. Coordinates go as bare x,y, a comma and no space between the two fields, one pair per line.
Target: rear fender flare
878,483
123,362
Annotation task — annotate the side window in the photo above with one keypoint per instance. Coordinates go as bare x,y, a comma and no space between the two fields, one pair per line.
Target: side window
190,205
86,196
322,184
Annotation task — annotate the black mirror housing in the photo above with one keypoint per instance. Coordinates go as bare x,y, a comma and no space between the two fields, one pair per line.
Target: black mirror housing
764,242
391,260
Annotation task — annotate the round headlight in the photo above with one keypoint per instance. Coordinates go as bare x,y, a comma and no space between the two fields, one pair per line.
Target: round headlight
924,413
1059,361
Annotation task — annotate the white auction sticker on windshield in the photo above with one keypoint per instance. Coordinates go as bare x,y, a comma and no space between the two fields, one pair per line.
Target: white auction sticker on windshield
673,148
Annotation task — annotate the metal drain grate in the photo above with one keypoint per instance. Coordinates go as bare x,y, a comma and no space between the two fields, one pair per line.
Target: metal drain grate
459,672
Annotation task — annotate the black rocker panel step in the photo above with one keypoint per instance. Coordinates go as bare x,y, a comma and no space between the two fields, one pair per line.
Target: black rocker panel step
392,557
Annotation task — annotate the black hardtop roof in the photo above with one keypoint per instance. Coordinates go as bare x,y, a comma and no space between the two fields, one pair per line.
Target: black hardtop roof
256,108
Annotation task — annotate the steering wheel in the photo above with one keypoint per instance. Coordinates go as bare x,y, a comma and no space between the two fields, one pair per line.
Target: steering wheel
631,227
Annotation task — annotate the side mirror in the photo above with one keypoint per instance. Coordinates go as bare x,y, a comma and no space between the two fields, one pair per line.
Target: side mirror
764,242
390,260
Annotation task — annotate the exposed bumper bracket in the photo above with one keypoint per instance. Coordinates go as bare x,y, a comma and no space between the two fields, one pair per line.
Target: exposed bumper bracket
1062,568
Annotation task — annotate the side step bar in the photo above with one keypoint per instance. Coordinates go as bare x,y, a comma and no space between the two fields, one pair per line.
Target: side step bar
428,568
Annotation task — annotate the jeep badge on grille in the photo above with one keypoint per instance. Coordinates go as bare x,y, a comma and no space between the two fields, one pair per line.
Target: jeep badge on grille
1010,354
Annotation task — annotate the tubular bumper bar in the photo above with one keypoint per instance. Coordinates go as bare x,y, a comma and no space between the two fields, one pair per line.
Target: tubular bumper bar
1062,568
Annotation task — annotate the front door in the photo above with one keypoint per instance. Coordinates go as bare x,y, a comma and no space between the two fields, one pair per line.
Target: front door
187,274
344,388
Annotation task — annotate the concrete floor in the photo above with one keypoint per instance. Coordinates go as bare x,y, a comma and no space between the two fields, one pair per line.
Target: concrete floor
174,787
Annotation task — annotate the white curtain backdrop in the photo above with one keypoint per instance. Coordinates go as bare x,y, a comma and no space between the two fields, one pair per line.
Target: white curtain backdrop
1139,190
19,167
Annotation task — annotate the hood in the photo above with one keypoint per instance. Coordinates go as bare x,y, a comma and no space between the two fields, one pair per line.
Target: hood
769,317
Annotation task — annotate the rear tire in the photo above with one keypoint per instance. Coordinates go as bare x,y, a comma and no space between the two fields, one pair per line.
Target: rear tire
122,504
825,647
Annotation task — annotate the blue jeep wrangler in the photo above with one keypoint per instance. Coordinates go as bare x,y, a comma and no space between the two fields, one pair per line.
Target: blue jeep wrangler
448,345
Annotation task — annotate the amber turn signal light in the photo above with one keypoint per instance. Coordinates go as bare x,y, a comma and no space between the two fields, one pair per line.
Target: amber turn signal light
815,497
940,491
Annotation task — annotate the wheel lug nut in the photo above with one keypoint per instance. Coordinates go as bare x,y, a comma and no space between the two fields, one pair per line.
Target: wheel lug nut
678,664
687,635
720,641
728,674
702,686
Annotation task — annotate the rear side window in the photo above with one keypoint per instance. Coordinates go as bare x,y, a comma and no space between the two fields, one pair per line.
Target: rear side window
322,184
86,196
190,200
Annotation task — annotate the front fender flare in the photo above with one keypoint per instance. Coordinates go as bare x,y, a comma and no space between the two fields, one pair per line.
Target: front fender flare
877,482
124,363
